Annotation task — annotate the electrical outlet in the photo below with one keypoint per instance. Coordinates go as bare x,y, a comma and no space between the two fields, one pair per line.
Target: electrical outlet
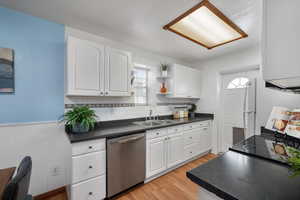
55,171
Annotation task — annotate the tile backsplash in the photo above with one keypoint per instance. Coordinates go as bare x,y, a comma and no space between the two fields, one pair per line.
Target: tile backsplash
108,112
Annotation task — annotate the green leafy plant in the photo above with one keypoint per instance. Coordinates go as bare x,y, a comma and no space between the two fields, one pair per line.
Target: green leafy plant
294,161
80,116
193,108
164,67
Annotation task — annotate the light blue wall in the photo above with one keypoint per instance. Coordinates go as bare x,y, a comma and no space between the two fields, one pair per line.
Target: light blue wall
39,68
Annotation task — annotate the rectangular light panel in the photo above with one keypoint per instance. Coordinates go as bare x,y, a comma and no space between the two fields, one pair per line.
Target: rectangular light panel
204,24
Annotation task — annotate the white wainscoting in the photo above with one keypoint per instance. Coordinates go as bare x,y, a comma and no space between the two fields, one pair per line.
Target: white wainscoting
47,144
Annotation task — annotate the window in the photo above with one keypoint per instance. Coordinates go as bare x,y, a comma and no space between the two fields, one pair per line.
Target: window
140,85
240,82
206,25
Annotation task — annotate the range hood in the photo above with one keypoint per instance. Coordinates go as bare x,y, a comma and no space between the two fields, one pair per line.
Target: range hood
288,84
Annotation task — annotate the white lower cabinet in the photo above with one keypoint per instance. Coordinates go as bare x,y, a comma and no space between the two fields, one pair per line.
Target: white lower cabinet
88,170
174,151
88,166
170,147
205,139
93,189
156,156
191,151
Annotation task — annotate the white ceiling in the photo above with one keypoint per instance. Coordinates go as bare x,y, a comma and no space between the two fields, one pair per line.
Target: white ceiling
139,22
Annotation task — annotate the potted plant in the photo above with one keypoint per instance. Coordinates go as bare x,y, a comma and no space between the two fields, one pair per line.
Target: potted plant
294,161
192,110
80,119
164,69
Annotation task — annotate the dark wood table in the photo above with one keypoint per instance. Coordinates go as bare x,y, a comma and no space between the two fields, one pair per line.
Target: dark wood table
5,176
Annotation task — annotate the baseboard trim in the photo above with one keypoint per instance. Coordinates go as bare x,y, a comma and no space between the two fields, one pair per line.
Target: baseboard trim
50,193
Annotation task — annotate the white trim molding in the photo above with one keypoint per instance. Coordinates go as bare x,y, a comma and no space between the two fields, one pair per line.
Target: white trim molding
14,124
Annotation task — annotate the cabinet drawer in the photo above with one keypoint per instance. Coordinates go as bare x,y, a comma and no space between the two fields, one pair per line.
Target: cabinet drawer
93,189
156,133
88,146
88,166
204,124
191,126
175,129
191,137
191,151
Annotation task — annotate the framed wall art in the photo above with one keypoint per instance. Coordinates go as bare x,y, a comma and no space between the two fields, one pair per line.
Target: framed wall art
7,78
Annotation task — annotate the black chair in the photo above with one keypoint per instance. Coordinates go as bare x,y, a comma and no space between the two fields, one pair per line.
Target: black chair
17,188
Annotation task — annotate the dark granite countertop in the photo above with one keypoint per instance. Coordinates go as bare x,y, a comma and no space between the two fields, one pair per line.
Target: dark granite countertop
235,176
260,147
127,127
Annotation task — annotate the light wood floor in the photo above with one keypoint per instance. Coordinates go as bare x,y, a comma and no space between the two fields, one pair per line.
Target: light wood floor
172,186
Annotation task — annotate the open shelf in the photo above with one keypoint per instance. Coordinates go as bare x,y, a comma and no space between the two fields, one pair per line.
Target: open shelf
164,94
163,77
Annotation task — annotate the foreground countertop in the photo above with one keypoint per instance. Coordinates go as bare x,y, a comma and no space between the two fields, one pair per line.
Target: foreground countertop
236,176
260,147
127,127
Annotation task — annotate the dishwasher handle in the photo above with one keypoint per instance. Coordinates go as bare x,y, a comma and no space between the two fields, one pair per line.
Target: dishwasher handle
130,139
126,139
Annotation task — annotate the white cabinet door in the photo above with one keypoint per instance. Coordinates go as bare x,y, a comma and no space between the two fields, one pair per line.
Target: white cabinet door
181,76
156,156
118,71
281,39
185,82
205,139
175,149
85,68
195,83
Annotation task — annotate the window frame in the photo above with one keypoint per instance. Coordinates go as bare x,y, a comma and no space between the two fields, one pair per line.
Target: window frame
239,86
137,66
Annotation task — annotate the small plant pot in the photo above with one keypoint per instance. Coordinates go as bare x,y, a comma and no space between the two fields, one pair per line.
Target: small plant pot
164,73
79,128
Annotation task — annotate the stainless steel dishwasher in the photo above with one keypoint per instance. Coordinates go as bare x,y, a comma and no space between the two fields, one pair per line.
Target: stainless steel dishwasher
126,162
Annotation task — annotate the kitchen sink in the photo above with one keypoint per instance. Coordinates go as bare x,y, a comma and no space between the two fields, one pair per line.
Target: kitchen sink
167,121
154,122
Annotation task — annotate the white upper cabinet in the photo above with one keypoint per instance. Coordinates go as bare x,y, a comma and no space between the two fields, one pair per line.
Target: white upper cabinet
185,82
85,67
281,42
117,72
97,70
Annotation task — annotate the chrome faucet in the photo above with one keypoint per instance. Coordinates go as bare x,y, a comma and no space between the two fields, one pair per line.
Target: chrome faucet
151,117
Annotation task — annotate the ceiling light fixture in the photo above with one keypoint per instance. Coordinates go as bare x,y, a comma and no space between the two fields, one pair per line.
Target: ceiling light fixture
206,25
